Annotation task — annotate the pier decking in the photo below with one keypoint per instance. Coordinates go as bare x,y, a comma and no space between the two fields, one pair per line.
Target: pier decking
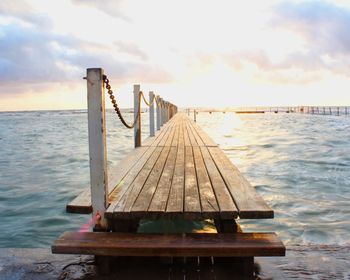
182,173
178,173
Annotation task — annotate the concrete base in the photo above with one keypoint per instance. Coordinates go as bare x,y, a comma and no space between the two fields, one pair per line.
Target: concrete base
301,262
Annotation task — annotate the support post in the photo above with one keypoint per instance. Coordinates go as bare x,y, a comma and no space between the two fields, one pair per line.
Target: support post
161,111
151,114
158,112
137,114
97,145
167,111
194,115
163,116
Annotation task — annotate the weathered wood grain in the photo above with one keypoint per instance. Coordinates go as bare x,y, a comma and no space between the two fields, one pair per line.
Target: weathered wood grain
249,203
227,207
192,205
160,198
175,205
176,245
210,208
143,200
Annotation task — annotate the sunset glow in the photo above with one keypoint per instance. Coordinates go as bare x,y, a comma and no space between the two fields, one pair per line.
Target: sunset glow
193,53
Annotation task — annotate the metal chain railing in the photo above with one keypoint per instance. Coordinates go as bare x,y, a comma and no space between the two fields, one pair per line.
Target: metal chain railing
116,107
146,102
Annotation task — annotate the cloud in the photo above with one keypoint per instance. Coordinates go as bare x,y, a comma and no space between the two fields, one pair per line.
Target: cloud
325,30
323,25
325,35
131,49
110,7
32,57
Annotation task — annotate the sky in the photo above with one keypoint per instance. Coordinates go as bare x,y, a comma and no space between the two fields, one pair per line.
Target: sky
197,53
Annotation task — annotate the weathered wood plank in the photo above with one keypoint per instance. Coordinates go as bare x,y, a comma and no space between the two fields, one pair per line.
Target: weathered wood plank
190,135
249,203
166,135
192,205
203,135
210,208
119,196
169,141
125,203
187,141
82,203
176,197
195,134
161,194
169,245
227,207
143,200
176,135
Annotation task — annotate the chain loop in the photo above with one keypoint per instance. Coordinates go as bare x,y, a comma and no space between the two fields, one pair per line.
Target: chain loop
116,107
144,99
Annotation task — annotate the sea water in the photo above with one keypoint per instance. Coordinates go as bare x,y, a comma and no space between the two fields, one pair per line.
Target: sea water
300,164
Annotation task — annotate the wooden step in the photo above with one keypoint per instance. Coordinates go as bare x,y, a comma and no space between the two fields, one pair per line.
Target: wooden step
175,245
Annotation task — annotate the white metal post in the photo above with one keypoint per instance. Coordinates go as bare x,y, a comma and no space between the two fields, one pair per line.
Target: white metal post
158,112
137,114
161,111
97,145
164,112
151,113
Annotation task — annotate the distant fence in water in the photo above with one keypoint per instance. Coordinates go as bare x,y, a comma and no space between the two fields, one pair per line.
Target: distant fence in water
314,110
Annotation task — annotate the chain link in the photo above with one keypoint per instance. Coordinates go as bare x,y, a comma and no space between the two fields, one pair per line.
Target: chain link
115,105
144,99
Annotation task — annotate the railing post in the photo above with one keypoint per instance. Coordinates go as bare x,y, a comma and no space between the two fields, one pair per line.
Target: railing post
137,114
161,112
97,145
151,113
158,112
194,115
166,111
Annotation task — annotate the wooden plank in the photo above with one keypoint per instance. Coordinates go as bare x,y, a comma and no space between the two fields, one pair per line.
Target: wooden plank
181,135
153,141
124,204
81,204
176,135
116,173
187,141
143,200
192,205
203,135
195,134
175,204
190,135
166,135
161,194
227,207
169,245
210,208
249,203
123,188
171,136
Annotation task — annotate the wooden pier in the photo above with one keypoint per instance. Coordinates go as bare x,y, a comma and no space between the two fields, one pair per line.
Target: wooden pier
177,173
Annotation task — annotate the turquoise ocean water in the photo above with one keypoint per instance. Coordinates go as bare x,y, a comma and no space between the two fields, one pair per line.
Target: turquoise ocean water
299,163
